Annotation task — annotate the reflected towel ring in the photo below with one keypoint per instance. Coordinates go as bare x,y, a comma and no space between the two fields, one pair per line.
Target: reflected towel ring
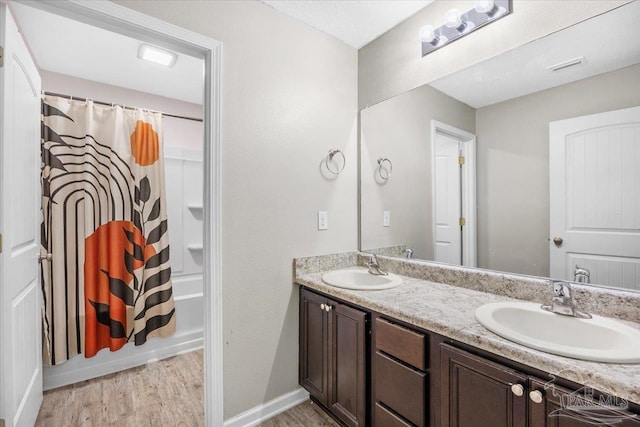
330,156
387,170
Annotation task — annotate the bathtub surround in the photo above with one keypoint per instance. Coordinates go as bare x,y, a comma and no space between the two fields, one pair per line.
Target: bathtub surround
443,299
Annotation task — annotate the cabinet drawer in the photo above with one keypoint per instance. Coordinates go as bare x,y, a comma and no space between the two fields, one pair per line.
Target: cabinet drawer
400,388
401,343
383,418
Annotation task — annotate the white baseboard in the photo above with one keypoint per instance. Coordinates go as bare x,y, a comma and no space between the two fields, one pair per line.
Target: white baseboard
79,369
268,410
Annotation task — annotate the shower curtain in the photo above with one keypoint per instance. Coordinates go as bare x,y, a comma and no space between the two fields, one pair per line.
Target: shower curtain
104,222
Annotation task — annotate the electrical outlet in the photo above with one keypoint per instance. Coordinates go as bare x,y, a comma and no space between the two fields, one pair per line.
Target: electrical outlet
323,220
386,219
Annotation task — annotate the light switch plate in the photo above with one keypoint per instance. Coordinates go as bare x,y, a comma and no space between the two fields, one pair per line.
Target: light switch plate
323,220
386,219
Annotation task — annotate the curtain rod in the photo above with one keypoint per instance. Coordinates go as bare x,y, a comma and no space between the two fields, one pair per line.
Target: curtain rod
195,119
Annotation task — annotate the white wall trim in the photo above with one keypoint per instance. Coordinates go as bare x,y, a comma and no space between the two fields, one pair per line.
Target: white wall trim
188,342
468,181
268,410
120,19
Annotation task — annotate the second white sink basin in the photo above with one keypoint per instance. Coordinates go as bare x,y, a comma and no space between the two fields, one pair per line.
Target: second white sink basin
598,339
360,279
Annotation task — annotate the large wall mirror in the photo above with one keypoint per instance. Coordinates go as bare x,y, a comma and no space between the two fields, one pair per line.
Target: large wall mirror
528,162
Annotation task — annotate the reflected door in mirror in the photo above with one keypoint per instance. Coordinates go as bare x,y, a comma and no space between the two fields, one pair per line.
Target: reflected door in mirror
595,197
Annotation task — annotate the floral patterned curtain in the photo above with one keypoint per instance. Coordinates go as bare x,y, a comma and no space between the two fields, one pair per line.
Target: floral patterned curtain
104,220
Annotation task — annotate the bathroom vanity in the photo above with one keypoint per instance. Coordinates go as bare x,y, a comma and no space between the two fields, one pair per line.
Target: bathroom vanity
415,356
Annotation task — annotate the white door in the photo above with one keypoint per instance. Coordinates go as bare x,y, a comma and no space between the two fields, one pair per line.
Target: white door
447,200
595,197
20,295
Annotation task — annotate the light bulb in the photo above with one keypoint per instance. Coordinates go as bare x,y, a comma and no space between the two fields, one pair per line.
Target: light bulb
428,34
453,18
485,6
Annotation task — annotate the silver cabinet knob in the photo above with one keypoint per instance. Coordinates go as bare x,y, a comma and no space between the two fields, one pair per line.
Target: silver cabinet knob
535,396
323,307
328,308
517,389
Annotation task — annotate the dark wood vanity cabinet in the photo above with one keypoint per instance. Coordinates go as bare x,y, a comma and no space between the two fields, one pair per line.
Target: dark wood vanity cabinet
476,392
399,375
409,377
333,362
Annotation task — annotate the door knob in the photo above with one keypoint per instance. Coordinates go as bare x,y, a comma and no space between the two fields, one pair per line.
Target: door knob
535,396
558,241
517,389
46,257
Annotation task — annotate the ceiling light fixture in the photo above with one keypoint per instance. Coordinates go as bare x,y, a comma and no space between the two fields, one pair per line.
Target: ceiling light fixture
458,24
157,55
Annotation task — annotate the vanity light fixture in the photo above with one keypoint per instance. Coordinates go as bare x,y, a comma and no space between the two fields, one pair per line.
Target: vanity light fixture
458,24
157,55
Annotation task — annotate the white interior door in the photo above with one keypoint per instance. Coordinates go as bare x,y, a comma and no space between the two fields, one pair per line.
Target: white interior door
20,296
447,200
595,197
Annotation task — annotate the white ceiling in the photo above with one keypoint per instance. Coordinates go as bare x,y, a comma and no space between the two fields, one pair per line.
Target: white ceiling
355,22
608,42
69,47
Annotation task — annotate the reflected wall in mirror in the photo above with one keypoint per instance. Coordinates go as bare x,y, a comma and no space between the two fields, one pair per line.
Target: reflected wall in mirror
511,103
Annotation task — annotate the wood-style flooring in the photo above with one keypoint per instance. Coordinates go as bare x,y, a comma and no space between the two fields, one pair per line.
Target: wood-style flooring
164,393
306,414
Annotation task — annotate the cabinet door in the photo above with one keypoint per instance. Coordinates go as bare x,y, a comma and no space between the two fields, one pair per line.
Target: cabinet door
314,346
479,393
347,376
554,406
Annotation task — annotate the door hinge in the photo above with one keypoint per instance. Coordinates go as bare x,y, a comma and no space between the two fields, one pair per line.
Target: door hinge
0,253
1,64
461,160
462,222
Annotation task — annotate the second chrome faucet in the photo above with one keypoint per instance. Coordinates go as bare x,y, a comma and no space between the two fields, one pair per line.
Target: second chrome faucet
562,301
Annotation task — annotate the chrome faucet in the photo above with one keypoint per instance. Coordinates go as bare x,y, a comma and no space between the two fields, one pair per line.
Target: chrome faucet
374,266
409,253
562,301
581,275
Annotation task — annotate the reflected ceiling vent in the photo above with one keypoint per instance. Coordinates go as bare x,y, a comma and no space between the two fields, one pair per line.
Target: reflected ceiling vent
567,64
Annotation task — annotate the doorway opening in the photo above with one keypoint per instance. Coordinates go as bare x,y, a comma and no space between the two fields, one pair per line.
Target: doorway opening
125,22
453,180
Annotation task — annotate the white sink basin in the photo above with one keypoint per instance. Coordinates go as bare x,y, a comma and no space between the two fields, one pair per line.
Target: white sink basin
598,339
360,280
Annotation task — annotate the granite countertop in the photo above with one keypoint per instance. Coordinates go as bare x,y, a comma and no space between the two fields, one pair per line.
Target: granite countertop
450,311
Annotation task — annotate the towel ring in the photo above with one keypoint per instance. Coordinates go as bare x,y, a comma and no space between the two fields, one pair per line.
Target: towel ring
330,156
387,172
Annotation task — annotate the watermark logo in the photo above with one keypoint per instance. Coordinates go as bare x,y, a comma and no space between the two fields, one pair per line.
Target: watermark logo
586,406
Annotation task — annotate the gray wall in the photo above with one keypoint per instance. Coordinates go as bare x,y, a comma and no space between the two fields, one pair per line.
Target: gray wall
392,64
400,129
513,165
289,95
